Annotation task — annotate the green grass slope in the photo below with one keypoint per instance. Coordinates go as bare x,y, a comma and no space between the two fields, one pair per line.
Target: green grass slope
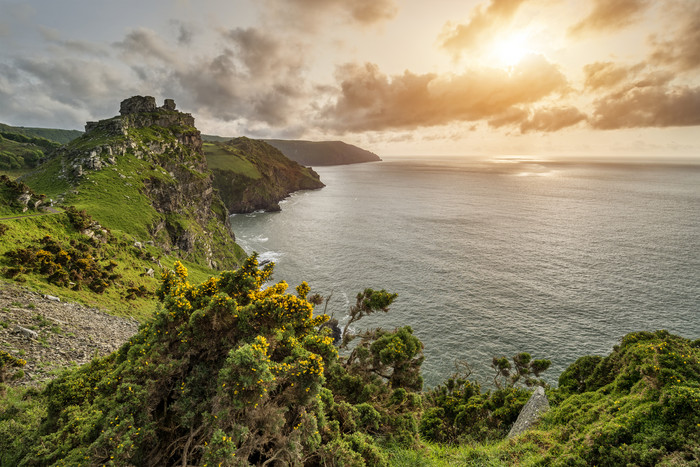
144,175
52,134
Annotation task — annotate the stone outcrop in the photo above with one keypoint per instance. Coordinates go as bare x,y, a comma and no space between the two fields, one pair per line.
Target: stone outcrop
178,184
535,406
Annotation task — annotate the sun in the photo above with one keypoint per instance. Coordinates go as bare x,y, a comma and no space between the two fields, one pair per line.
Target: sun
510,50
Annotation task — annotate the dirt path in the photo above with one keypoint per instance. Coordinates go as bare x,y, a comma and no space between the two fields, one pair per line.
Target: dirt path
50,212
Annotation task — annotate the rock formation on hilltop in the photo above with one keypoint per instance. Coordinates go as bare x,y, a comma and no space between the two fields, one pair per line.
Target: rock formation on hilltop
144,170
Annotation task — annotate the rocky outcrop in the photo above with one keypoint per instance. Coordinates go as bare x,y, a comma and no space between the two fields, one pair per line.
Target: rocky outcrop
177,181
535,406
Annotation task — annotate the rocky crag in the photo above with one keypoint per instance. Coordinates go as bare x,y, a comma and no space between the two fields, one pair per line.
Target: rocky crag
144,172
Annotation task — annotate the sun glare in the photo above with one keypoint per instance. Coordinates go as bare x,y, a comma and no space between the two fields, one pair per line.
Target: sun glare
509,50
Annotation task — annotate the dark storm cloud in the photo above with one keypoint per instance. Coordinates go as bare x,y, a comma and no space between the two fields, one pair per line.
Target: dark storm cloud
610,15
371,100
483,22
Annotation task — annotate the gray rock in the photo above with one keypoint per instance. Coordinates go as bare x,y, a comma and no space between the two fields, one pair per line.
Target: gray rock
535,406
26,332
52,298
138,245
149,272
137,104
169,104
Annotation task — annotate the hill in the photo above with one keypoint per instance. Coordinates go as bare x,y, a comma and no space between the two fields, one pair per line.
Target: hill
131,195
314,153
251,175
52,134
318,153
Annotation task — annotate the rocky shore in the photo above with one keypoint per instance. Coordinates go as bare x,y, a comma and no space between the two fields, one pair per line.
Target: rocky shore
51,334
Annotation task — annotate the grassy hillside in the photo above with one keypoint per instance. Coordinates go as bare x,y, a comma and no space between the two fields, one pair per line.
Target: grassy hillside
252,175
313,153
142,182
51,134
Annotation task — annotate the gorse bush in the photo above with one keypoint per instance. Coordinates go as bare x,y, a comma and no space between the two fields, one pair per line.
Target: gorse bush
228,373
74,266
638,406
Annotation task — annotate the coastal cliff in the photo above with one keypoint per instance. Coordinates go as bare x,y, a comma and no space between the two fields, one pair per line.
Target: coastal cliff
144,172
252,175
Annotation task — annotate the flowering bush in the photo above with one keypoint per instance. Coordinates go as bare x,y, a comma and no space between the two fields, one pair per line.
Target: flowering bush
228,372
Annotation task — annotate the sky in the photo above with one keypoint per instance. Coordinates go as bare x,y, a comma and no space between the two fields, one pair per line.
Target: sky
595,78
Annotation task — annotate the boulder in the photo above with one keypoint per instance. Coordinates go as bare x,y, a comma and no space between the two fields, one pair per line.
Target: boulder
137,104
535,406
28,333
169,104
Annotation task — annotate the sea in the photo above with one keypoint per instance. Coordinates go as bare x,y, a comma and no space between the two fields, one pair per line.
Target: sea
495,256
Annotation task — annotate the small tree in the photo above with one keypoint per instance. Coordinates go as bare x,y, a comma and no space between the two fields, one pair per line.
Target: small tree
524,370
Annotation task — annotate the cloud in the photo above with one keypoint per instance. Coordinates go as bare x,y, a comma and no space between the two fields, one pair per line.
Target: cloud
483,22
307,15
263,54
185,32
683,50
146,43
649,103
610,15
61,45
608,74
552,119
371,100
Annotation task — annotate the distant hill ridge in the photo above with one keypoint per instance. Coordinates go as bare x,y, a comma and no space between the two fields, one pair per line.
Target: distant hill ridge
51,134
315,153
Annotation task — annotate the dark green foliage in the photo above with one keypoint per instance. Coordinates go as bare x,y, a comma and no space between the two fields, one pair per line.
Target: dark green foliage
228,373
12,190
638,406
80,219
524,370
66,267
458,411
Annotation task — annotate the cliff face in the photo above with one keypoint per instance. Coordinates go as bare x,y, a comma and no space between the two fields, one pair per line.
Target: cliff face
144,172
252,175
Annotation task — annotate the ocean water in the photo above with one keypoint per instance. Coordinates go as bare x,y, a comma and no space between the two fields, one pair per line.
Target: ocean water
493,257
